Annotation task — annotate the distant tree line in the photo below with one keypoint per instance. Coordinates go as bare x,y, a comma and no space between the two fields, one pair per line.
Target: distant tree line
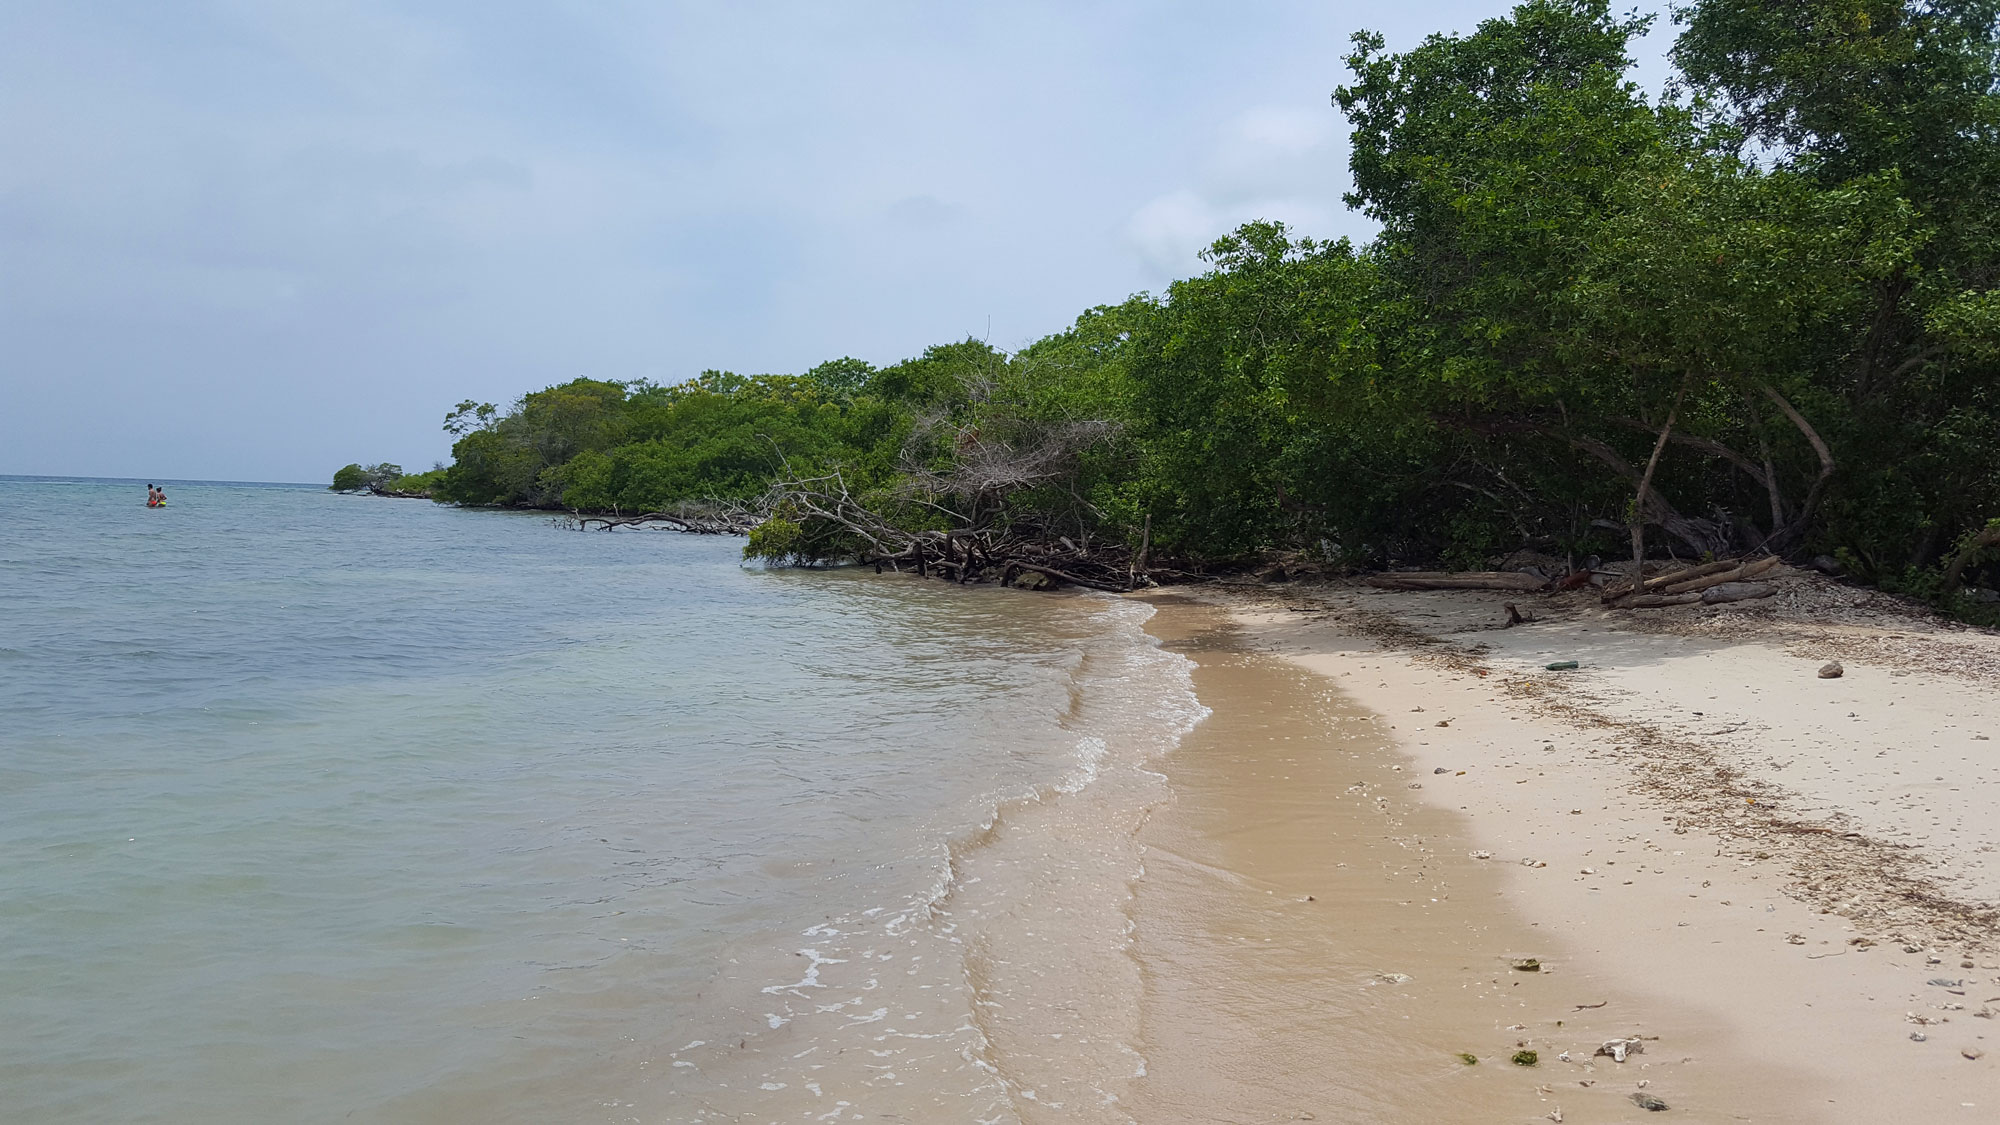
385,479
1760,314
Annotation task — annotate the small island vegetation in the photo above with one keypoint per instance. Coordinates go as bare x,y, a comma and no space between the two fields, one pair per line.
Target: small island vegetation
1758,315
386,479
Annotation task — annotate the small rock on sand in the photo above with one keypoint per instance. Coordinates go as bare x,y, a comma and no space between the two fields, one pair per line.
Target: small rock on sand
1648,1102
1972,1053
1831,670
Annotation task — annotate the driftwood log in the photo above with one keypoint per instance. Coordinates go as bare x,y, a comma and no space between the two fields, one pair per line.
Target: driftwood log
1660,601
1737,592
1515,581
1692,579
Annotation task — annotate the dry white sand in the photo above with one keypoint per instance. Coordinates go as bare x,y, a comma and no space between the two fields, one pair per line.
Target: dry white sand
1789,865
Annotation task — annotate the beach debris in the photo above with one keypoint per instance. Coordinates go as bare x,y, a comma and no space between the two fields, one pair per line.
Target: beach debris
1416,785
1933,959
1468,1058
1444,722
1676,588
1555,1115
1945,982
1588,871
1662,601
1648,1102
1564,1057
1560,666
1737,592
1516,617
1795,939
1527,964
1442,769
1831,670
1587,1007
1918,1037
1532,863
1393,978
1617,1049
1525,1058
1972,1053
1463,580
1920,1021
1482,855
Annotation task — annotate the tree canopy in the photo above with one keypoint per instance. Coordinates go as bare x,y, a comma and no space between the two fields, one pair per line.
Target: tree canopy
1759,314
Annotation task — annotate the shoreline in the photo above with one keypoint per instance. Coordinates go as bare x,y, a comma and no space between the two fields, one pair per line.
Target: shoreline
1781,950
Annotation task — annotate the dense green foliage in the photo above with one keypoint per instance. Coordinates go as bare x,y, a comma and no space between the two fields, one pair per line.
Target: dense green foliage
1760,314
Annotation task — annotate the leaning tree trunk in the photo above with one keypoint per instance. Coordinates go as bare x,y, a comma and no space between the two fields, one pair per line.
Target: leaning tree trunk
1646,482
1955,572
1795,529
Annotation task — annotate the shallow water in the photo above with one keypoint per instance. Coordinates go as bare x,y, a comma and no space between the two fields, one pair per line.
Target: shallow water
320,807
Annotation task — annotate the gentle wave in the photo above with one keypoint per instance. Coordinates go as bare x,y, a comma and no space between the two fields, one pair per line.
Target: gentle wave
317,806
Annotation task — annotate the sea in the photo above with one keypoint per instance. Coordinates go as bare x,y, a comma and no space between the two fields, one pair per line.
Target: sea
335,808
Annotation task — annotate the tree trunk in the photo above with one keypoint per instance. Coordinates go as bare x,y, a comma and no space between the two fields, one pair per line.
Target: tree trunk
1791,532
1955,572
1646,481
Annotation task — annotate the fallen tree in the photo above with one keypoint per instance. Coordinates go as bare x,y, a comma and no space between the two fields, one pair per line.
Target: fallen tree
963,507
714,518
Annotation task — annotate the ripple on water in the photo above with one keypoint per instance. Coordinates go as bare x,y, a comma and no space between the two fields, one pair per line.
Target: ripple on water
315,805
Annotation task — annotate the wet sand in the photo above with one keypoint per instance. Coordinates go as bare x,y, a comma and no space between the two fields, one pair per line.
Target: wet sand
1770,979
1316,941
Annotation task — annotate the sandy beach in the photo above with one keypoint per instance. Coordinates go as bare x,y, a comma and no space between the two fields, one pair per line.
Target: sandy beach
1777,884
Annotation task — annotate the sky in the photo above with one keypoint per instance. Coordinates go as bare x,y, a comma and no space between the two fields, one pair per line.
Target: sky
259,240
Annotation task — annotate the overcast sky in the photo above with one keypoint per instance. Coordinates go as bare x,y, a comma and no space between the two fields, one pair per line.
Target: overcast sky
256,241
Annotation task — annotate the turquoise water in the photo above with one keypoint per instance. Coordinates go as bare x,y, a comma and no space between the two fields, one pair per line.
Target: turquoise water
336,808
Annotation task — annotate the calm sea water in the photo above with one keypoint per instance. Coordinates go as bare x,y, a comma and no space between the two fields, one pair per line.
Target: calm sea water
333,808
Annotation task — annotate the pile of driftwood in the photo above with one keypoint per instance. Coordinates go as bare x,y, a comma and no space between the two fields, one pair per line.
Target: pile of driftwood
1710,583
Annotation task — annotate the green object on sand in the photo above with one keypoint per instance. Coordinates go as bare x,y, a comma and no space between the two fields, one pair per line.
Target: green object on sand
1468,1058
1560,666
1526,1058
